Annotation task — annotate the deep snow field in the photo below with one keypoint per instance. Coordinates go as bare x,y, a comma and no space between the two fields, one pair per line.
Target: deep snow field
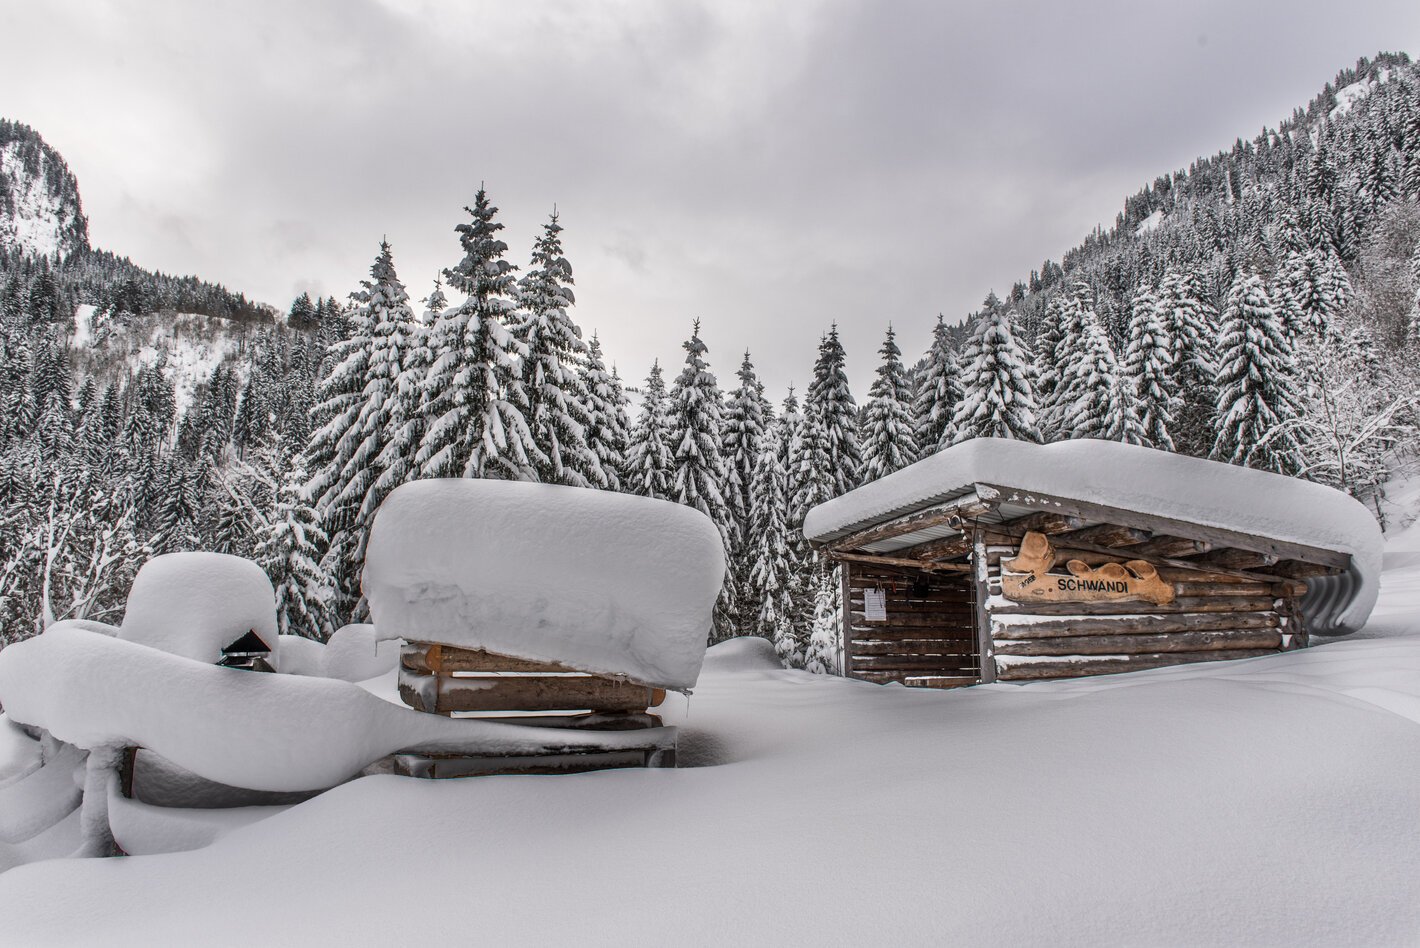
1270,801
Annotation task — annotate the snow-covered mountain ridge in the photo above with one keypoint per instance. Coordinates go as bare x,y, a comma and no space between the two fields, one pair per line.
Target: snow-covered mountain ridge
40,212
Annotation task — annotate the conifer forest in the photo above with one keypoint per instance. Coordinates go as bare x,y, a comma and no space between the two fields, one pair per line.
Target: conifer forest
1261,307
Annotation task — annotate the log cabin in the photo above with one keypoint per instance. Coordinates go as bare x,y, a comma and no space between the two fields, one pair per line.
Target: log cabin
999,560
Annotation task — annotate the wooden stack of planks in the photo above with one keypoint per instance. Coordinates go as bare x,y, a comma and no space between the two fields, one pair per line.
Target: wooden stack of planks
442,679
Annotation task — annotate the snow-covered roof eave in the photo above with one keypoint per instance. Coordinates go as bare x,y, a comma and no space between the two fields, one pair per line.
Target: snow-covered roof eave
1130,478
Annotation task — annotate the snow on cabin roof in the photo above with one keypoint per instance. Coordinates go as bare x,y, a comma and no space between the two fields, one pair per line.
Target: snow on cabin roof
1125,477
607,583
248,644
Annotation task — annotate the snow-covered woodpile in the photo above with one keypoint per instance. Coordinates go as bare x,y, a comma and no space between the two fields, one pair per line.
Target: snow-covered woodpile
1010,560
535,599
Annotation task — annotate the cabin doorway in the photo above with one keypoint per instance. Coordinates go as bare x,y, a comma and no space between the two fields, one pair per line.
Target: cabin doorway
910,625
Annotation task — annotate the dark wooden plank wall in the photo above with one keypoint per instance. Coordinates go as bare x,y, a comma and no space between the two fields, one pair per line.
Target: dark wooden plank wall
929,638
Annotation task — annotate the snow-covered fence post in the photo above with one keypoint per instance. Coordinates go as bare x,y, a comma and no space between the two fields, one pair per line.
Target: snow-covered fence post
100,779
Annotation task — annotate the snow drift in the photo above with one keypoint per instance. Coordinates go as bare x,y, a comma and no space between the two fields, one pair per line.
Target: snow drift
195,604
1145,480
608,583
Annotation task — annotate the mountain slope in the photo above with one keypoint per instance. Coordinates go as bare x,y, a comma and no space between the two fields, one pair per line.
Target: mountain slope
40,213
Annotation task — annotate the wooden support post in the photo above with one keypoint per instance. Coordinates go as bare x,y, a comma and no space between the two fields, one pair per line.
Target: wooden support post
871,558
987,655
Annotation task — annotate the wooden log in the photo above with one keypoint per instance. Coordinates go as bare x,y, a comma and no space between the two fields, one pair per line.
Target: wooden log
955,511
1182,604
1237,559
1044,521
440,694
914,647
429,658
941,663
899,561
940,681
945,594
1296,569
905,623
947,548
1081,667
1105,534
1136,624
1173,547
1158,525
1225,589
1142,644
919,608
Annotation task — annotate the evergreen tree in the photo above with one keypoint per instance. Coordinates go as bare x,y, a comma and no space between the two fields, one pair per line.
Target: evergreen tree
938,392
696,424
551,373
608,430
1104,407
831,407
888,436
1059,370
474,393
742,432
289,551
1256,383
649,462
1146,365
769,596
1193,364
825,655
998,401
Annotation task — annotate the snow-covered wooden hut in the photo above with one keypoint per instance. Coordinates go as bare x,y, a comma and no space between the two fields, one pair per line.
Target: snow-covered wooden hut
998,559
563,606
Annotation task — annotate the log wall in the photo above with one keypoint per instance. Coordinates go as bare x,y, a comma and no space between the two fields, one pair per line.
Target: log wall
929,636
1214,617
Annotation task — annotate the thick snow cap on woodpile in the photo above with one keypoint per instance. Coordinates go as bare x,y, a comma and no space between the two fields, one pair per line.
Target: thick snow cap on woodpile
196,604
603,582
1142,480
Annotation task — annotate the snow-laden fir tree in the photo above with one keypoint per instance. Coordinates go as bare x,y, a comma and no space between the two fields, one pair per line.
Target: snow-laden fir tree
552,372
474,393
938,392
289,551
1257,398
741,434
800,446
1315,290
825,653
648,455
830,404
997,400
364,410
398,462
1193,363
888,436
1047,371
1104,404
1413,329
1146,366
1069,352
696,423
769,594
608,425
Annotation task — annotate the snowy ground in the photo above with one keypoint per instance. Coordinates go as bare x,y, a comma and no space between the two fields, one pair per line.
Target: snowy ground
1272,801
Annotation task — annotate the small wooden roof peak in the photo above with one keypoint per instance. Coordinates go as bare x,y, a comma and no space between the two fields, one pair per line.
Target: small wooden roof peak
248,644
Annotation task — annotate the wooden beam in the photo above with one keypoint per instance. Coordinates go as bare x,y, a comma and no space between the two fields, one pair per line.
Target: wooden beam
1296,569
1105,534
440,694
1140,644
1134,624
1158,525
1077,668
1046,522
899,561
980,575
957,511
1180,605
1173,547
947,548
1236,559
428,658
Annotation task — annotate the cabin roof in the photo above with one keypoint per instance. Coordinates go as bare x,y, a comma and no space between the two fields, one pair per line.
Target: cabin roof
1105,481
248,644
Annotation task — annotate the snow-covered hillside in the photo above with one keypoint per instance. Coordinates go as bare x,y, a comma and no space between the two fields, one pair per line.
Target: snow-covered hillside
1270,801
39,199
189,345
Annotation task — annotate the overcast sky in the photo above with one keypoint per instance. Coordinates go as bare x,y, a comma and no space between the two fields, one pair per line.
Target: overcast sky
768,167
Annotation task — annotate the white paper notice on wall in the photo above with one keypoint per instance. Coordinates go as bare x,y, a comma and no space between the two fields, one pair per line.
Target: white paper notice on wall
874,605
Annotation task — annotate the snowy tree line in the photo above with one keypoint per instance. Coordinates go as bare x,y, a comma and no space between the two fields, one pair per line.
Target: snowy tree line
1268,316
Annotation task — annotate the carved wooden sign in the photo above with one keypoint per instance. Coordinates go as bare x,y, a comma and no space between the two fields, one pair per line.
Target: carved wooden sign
1027,578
